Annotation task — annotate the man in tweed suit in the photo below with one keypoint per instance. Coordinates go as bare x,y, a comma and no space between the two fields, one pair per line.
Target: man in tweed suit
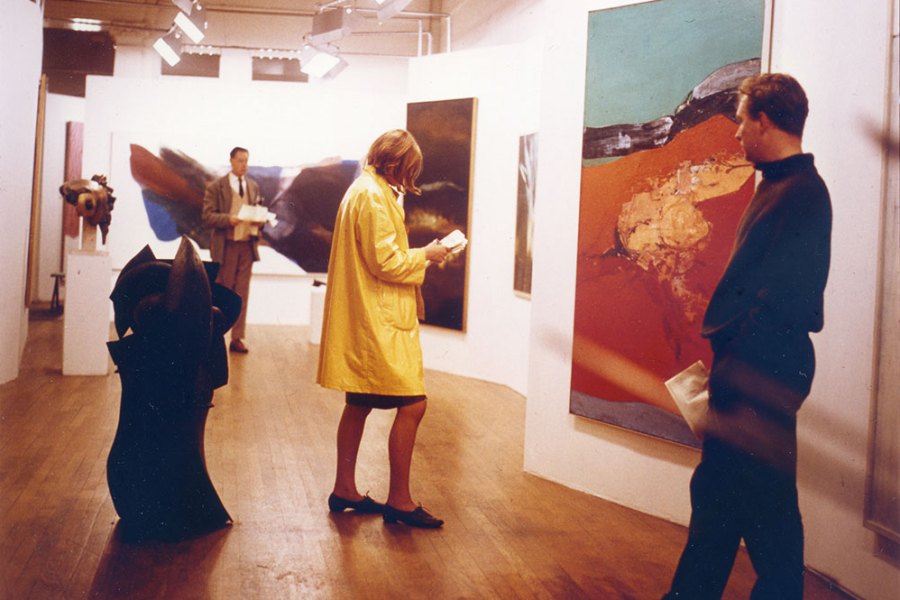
233,242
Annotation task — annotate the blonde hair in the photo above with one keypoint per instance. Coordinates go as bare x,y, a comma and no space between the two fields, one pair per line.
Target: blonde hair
397,155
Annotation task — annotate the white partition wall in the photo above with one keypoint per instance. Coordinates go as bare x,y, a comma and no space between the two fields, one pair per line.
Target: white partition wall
506,80
842,59
21,40
839,52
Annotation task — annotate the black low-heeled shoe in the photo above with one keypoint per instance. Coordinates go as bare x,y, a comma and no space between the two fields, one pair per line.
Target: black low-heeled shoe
366,505
414,518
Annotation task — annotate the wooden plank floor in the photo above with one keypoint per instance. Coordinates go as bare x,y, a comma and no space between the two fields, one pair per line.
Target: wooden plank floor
270,453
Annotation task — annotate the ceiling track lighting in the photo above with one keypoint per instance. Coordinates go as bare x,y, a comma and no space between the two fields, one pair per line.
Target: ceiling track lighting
390,8
184,5
191,19
79,24
202,50
170,46
271,53
321,63
191,22
333,21
193,26
332,24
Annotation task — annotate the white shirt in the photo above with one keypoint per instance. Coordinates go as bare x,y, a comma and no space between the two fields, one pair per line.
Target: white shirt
242,231
235,187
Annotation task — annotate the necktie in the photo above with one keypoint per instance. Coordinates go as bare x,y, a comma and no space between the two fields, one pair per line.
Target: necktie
241,186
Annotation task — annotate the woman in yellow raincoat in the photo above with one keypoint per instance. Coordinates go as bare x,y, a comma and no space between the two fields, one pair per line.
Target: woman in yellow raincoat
370,331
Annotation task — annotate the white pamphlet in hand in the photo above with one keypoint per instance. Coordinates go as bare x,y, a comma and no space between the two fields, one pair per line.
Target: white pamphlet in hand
690,390
256,214
454,241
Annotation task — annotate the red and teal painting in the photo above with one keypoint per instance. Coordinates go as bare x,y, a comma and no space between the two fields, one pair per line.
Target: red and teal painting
663,186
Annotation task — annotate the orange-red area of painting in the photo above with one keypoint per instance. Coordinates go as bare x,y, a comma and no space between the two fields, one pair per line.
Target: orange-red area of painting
631,330
153,173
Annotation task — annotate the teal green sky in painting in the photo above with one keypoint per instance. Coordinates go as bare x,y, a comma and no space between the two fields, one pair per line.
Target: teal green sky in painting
644,59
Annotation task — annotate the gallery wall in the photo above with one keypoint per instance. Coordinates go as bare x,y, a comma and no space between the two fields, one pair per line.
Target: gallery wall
847,44
478,24
506,84
21,36
826,47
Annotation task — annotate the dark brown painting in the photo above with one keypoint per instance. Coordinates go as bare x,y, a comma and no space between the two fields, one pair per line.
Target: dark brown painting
445,130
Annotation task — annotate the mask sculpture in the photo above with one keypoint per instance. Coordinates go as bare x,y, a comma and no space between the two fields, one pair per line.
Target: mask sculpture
169,365
93,200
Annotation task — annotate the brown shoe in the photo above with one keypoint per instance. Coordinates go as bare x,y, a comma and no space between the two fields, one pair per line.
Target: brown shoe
238,346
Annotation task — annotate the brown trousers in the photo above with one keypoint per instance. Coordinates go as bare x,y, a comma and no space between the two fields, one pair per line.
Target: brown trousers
234,273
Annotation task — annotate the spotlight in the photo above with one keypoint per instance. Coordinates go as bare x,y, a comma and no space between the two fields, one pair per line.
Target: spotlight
169,47
184,5
332,25
321,63
389,8
192,23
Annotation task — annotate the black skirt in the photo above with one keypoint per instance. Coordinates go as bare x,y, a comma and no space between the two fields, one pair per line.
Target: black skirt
381,401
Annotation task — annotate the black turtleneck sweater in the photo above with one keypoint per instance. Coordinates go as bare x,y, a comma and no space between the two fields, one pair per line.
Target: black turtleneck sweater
776,275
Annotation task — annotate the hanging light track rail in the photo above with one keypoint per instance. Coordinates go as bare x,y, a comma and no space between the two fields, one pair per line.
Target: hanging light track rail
263,11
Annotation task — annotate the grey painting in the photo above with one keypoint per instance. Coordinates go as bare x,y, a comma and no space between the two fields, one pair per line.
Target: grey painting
525,213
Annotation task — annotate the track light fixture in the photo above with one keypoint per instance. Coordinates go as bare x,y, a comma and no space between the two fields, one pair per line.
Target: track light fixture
390,8
169,46
321,63
184,5
333,24
79,24
192,21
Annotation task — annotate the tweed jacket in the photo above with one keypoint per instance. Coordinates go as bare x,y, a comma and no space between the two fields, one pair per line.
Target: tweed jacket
217,214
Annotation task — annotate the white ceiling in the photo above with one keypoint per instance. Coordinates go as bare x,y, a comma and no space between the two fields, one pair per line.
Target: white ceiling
263,24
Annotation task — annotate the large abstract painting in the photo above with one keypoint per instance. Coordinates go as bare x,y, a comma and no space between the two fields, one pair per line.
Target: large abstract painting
525,213
162,199
445,131
663,186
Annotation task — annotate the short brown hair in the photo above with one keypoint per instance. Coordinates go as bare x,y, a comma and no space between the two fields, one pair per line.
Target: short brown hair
778,95
397,154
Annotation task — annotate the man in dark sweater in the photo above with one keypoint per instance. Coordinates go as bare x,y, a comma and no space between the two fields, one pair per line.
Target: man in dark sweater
758,322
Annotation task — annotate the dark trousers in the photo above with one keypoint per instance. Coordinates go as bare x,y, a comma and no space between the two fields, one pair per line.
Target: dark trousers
735,496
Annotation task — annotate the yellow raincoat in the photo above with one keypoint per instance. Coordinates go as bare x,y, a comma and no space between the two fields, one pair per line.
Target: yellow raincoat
370,329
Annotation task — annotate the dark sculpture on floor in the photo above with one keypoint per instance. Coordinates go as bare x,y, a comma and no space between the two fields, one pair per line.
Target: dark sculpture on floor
169,366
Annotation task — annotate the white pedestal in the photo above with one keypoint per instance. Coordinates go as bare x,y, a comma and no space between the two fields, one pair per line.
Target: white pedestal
86,316
316,311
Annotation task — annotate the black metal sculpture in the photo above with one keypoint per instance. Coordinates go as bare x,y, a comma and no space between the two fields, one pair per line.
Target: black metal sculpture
169,366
